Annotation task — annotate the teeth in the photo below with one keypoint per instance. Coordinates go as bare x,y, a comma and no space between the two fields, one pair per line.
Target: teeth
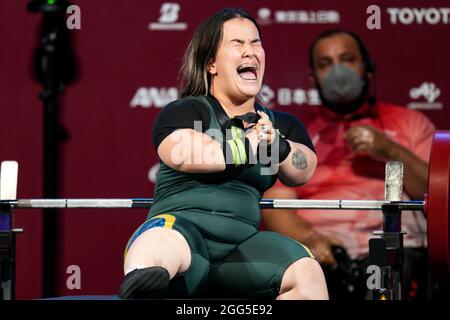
247,65
246,68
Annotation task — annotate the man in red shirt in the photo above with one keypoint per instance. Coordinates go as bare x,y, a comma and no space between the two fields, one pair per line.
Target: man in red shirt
354,136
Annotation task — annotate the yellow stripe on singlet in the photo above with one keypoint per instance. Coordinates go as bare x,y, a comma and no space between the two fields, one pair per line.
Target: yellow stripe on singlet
169,220
308,251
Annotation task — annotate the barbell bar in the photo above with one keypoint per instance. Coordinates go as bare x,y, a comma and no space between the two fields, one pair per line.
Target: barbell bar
139,203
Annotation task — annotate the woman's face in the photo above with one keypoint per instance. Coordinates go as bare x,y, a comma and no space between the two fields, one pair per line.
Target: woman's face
238,69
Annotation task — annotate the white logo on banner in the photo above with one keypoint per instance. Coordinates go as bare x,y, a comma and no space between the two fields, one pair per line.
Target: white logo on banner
408,16
430,92
288,96
160,97
153,97
298,16
298,96
169,14
266,94
264,16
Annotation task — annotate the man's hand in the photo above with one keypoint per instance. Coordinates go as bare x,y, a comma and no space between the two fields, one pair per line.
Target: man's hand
366,139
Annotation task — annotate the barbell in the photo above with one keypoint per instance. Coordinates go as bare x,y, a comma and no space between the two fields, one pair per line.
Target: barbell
435,204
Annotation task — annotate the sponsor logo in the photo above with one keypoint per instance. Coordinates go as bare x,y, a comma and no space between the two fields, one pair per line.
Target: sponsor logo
428,91
266,95
153,97
407,16
168,18
148,97
298,96
289,96
265,16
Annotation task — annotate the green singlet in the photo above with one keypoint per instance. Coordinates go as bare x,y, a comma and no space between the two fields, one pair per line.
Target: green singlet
219,216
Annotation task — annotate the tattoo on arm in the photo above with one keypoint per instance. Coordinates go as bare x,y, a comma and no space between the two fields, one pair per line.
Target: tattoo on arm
299,160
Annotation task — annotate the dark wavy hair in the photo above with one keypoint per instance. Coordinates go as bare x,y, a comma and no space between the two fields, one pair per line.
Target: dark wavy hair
369,64
201,51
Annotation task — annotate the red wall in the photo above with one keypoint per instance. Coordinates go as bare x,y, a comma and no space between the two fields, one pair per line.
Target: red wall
109,118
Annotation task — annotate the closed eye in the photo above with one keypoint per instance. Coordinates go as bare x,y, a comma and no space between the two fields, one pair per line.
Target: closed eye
237,41
242,42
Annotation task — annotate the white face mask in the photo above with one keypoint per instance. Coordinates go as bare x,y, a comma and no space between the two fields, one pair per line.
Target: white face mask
342,85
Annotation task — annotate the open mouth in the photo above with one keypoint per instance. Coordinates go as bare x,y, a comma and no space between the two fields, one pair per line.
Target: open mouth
247,71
